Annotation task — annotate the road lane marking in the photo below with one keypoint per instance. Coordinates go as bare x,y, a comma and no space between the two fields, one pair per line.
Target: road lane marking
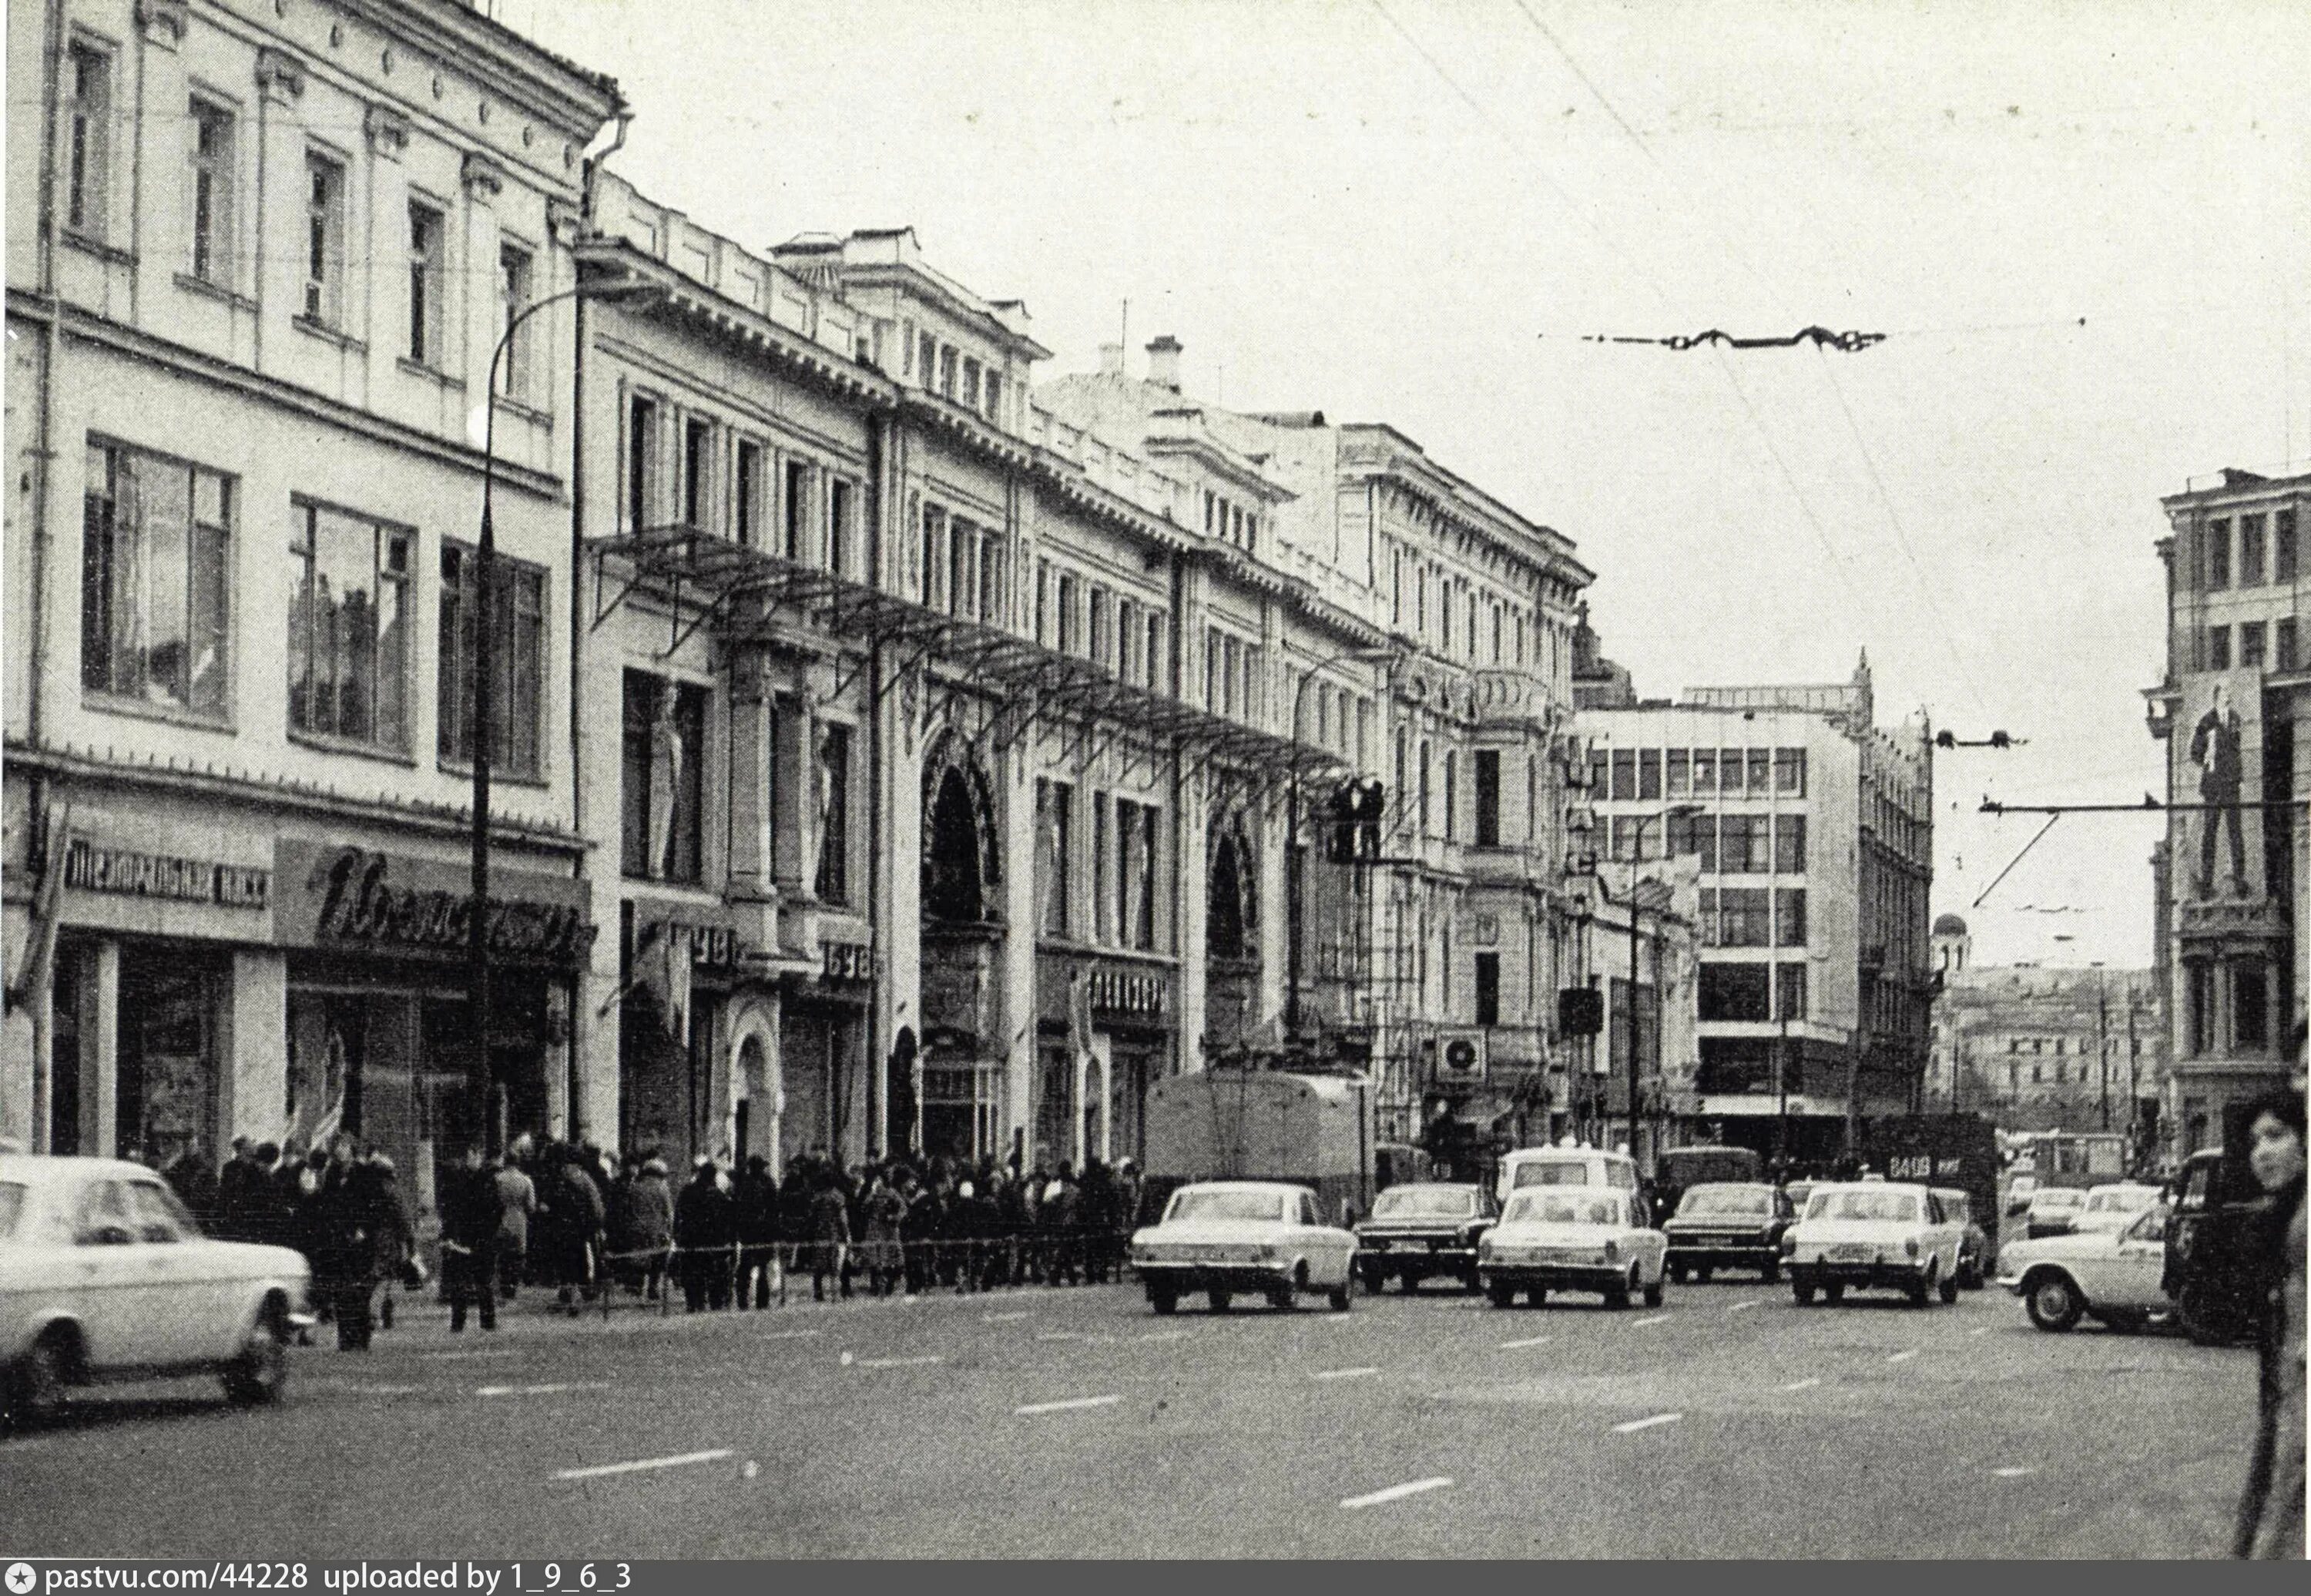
1740,1307
1396,1492
789,1336
369,1390
897,1362
1979,1330
2015,1473
1808,1383
1635,1424
1003,1318
1170,1335
601,1470
1904,1356
1067,1405
1353,1373
541,1390
476,1352
1655,1319
1528,1341
1059,1335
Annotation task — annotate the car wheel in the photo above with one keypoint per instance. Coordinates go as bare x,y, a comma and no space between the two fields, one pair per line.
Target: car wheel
1468,1281
1702,1272
257,1375
1220,1300
1411,1282
1617,1298
1501,1294
1949,1290
32,1391
1772,1273
1164,1302
1922,1289
1373,1278
1653,1294
1834,1293
1677,1273
1337,1298
2053,1303
1537,1295
1803,1290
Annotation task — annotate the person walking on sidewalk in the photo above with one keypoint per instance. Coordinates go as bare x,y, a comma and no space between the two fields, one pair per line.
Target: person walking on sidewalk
830,1236
517,1202
705,1231
472,1220
2270,1509
758,1200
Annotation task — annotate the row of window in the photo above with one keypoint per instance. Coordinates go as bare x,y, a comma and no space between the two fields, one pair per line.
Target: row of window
2038,1044
2220,561
1753,917
1752,992
1484,767
962,566
156,578
2211,1025
1234,676
1120,910
2274,645
739,486
944,370
1231,522
1726,844
1121,635
1480,627
1625,775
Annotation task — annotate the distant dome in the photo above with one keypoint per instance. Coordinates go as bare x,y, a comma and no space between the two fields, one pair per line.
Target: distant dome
1949,925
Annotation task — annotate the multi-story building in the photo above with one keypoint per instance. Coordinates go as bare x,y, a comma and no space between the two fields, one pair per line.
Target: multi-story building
2042,1047
1813,831
2232,709
258,259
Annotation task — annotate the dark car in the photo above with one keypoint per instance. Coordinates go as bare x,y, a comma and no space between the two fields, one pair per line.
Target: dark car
1419,1230
2210,1272
1678,1170
1727,1224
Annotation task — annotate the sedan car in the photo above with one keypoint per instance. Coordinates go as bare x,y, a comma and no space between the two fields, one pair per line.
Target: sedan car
2111,1276
1727,1224
1417,1231
1222,1237
2054,1210
2114,1208
1584,1238
104,1275
1877,1235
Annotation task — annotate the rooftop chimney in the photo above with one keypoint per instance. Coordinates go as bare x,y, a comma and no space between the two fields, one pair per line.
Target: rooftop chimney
1111,359
1164,361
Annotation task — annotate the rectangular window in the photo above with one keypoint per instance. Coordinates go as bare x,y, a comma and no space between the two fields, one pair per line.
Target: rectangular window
1649,775
1488,988
1104,918
1054,814
1744,917
1695,834
348,628
2218,647
969,384
994,393
2286,657
88,134
962,566
927,358
1043,603
642,461
1790,845
1790,917
1710,932
1705,772
518,637
2200,1007
156,572
1625,775
1790,772
834,883
325,237
2218,555
697,471
2282,546
1137,830
947,369
211,154
1680,772
746,493
841,498
1156,668
1729,771
1102,629
1067,616
1761,773
1744,845
425,316
1488,798
661,794
1452,792
796,506
1789,991
2250,551
516,282
1734,991
2250,644
1126,639
2250,1006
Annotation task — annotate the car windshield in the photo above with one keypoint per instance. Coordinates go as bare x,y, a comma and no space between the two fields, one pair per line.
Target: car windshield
1895,1207
1724,1200
2125,1201
1563,1210
2060,1196
1442,1203
2149,1227
1555,1172
1955,1206
11,1204
1227,1205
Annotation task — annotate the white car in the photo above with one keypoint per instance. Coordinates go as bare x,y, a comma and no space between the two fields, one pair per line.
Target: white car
1583,1237
1881,1235
2054,1210
2114,1208
104,1275
1222,1237
2111,1276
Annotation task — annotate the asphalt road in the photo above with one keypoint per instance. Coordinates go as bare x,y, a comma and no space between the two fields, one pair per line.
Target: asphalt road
1039,1423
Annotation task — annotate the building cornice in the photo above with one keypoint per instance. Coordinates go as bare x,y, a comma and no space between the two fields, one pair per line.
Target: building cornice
570,97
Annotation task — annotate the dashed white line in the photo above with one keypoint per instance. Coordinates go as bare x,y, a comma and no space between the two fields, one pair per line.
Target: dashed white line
1742,1307
475,1352
376,1391
1808,1383
1652,1319
541,1390
1002,1318
2014,1473
1170,1335
1397,1493
1059,1336
1528,1341
1635,1424
1067,1406
789,1336
900,1363
600,1470
1904,1356
1353,1373
1979,1330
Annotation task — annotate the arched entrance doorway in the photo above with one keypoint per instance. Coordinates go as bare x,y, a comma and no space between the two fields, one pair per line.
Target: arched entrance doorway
759,1103
958,1111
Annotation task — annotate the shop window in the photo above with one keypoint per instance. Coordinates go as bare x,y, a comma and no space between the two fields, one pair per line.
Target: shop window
1734,991
168,1057
348,628
664,745
517,669
156,561
1488,798
1488,975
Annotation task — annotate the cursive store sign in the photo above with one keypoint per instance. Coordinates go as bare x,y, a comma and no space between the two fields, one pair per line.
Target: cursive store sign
351,897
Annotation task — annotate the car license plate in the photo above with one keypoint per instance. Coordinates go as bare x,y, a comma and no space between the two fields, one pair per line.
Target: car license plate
1850,1252
1379,1244
1435,1245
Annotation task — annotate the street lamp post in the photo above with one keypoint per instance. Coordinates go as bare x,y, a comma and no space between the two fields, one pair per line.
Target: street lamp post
483,1082
1292,886
2102,1039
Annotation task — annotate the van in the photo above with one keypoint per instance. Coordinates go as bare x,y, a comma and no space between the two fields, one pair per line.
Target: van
1564,1167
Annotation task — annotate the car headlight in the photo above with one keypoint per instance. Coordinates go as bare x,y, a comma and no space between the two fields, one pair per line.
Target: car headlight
1911,1246
1789,1246
1264,1253
1613,1251
1485,1248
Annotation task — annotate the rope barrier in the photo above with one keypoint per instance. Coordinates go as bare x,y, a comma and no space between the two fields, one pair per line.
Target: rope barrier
743,1275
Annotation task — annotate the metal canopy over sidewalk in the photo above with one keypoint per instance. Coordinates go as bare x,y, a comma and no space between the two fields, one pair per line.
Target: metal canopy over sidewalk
743,593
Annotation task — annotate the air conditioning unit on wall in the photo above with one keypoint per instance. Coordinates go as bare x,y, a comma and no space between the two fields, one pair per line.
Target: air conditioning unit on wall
1460,1057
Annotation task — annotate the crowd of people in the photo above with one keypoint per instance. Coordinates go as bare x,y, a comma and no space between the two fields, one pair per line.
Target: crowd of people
570,1219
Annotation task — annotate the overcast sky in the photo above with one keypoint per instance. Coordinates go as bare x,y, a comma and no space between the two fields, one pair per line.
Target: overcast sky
2083,229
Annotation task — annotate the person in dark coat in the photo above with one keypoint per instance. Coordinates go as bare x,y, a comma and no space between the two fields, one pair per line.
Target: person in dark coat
830,1236
577,1228
1095,1221
758,1200
363,1233
705,1230
920,1219
471,1214
1063,1205
2270,1508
